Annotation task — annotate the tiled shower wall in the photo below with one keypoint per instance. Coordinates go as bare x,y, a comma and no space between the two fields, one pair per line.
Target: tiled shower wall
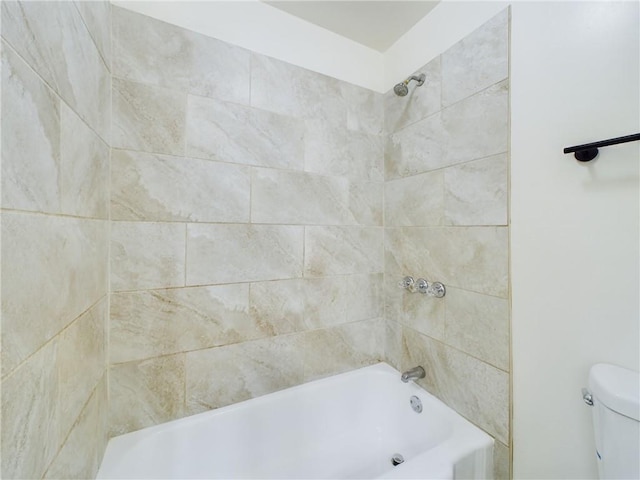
247,239
56,121
446,219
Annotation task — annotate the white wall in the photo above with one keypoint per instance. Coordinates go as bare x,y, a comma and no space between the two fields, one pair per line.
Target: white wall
574,231
264,29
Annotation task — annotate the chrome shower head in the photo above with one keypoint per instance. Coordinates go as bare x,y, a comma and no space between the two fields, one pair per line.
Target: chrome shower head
401,89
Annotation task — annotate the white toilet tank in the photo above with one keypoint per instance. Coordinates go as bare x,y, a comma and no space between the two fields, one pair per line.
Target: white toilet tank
616,420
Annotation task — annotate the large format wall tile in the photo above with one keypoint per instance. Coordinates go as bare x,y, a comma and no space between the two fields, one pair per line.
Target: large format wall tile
221,376
335,350
333,150
475,193
97,18
307,303
190,62
415,201
477,61
501,461
30,138
478,325
290,90
81,454
473,258
343,250
57,267
84,168
30,411
161,322
234,133
420,102
148,118
304,199
365,297
474,128
147,255
146,393
473,388
163,188
82,359
365,109
281,304
53,39
242,253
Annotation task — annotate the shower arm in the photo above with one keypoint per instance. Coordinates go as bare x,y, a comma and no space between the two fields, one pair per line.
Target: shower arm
418,78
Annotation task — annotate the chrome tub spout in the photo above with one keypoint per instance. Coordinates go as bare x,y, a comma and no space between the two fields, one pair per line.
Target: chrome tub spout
414,374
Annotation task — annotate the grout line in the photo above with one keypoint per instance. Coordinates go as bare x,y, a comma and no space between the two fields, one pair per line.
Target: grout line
53,338
443,108
186,243
93,40
7,45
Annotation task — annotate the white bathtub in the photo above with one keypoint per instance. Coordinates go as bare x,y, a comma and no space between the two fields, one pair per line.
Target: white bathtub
346,426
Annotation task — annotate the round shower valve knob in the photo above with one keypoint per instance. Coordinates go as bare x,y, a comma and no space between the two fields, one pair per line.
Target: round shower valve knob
436,289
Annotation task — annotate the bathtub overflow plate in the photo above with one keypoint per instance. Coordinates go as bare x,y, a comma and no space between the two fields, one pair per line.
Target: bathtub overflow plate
416,404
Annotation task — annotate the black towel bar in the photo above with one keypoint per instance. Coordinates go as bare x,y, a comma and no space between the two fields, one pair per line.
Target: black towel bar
589,151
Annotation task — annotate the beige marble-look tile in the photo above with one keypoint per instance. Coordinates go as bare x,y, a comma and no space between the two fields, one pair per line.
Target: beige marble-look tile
300,198
281,304
146,393
343,250
161,322
148,118
243,253
478,126
472,258
415,201
365,109
81,454
366,202
342,348
53,39
190,62
364,297
97,18
325,302
420,102
147,255
478,325
501,461
156,187
57,267
333,150
30,138
476,390
474,128
235,133
82,359
422,313
477,61
221,376
475,193
291,90
29,416
84,168
393,344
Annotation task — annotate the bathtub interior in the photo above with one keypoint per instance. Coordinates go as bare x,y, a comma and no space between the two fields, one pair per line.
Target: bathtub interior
346,426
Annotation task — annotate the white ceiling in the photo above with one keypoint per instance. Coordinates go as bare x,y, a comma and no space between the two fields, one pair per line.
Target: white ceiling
376,24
